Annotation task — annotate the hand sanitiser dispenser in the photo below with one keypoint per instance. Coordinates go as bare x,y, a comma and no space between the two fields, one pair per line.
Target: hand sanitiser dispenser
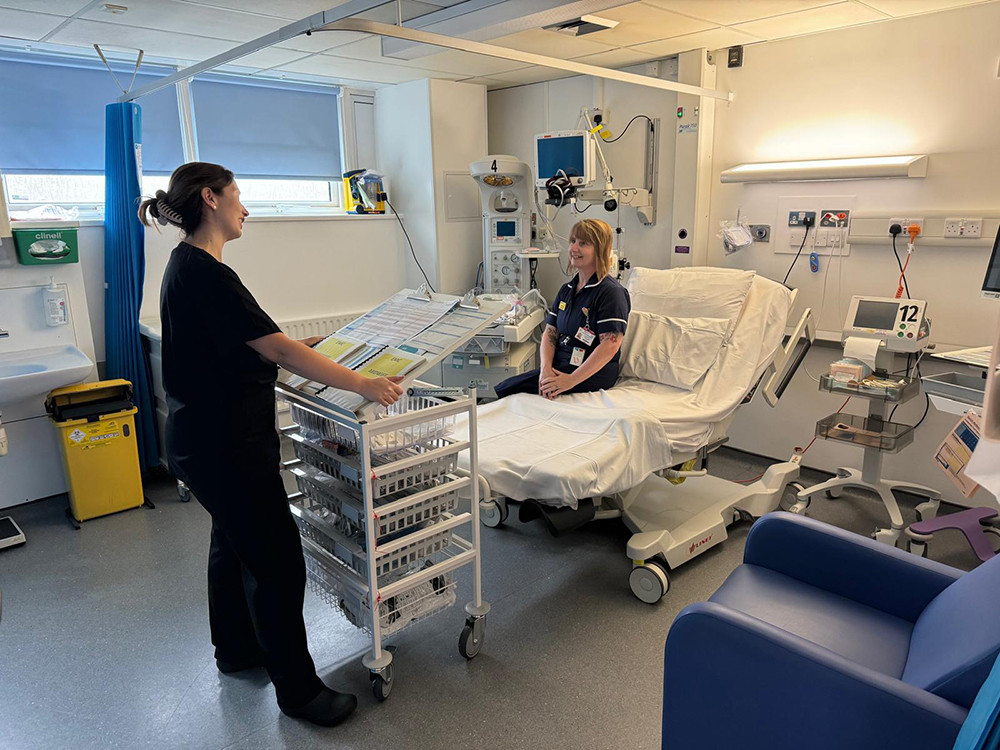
56,310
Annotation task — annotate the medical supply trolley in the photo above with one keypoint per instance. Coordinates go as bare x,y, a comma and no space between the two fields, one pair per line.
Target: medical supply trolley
378,510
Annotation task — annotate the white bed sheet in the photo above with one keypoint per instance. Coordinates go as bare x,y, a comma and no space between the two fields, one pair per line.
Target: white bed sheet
595,444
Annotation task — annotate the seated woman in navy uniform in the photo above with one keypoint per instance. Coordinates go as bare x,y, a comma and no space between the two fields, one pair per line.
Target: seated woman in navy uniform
585,328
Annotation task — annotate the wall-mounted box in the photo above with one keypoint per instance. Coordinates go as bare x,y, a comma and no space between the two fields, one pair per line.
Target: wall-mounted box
46,247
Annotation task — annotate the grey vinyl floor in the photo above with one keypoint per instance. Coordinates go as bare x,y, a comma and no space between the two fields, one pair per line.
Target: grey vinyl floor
104,639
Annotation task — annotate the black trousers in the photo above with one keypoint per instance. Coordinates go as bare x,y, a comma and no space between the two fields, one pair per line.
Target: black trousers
256,573
604,378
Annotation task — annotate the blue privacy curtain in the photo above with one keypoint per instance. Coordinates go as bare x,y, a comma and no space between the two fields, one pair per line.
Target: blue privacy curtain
125,267
981,730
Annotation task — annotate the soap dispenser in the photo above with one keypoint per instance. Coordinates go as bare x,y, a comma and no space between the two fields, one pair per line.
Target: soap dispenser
56,310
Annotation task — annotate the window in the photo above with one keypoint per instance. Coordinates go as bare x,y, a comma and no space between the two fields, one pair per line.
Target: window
282,140
52,141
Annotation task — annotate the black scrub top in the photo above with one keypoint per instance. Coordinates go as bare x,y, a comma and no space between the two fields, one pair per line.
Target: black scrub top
220,392
600,307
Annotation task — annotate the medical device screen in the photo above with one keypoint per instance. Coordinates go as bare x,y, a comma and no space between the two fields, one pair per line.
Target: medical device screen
506,228
565,153
8,529
878,315
992,281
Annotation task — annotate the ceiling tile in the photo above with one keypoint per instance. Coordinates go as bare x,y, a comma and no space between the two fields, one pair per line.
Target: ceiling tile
899,8
550,43
711,39
272,57
640,22
729,12
340,67
289,10
411,9
321,41
369,49
616,58
467,63
52,7
22,25
489,83
811,21
533,74
185,18
183,47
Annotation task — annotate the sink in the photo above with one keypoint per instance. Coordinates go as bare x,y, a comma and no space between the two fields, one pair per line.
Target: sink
35,372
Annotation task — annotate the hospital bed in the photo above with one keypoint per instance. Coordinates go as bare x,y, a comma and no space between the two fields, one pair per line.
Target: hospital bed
700,342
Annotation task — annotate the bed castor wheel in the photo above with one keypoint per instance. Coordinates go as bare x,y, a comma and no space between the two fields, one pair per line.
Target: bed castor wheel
492,513
472,637
649,581
834,492
381,683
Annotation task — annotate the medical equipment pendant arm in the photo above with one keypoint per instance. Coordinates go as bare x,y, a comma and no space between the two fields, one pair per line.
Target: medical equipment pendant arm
875,331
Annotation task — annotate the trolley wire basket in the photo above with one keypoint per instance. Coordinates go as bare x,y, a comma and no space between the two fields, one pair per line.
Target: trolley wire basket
317,426
395,513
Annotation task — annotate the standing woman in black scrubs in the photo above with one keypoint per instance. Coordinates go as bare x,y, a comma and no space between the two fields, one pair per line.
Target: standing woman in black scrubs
220,357
585,328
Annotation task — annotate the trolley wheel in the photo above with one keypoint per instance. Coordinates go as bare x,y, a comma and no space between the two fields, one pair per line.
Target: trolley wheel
492,513
649,581
381,683
791,502
834,492
471,639
183,492
920,549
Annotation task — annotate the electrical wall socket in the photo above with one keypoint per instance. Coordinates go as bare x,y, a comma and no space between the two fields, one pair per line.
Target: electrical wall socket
904,223
798,218
600,113
963,228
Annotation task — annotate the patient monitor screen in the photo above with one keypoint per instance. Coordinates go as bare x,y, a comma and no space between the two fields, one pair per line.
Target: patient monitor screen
880,316
565,153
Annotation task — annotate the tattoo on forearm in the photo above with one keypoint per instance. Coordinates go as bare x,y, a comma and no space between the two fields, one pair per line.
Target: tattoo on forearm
552,333
614,337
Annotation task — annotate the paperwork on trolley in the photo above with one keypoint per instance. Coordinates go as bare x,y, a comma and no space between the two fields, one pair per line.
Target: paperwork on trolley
405,336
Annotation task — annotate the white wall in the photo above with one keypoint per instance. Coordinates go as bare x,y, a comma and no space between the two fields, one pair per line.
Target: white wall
458,130
298,268
517,114
926,84
403,130
424,129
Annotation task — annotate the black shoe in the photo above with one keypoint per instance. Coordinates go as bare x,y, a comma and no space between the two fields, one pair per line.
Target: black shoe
327,709
233,667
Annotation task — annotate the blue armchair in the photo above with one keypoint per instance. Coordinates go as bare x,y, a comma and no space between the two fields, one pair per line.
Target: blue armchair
826,639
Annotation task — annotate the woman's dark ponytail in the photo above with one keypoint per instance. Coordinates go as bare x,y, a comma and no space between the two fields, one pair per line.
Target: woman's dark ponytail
181,204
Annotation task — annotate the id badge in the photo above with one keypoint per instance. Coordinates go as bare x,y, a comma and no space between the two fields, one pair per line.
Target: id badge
577,359
585,335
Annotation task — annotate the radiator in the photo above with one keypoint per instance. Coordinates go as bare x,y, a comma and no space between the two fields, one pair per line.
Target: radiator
303,328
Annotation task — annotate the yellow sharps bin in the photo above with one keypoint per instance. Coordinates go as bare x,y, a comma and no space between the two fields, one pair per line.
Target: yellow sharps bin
96,426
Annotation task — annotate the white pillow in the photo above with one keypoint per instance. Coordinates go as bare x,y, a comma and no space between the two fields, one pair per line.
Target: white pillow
671,350
698,292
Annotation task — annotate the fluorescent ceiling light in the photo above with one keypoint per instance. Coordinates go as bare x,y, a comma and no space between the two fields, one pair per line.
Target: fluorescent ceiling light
861,168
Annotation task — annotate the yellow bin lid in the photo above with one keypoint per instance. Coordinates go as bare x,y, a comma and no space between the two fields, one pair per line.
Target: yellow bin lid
89,399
